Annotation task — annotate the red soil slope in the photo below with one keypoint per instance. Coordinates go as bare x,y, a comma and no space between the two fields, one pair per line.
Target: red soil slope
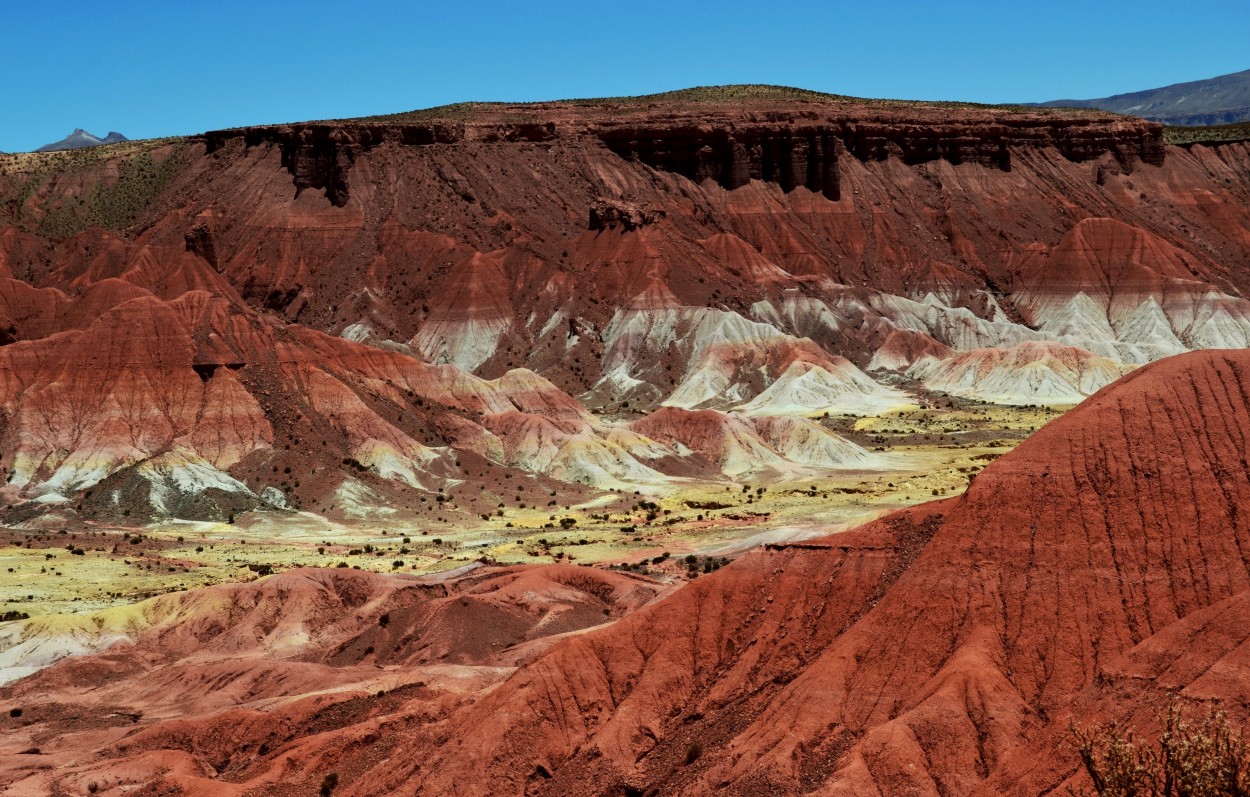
149,392
210,681
1077,558
941,650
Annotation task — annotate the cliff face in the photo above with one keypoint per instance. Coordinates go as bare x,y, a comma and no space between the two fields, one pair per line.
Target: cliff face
320,156
788,149
792,154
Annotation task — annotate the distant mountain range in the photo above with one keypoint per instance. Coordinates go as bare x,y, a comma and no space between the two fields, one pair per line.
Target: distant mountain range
1216,101
81,138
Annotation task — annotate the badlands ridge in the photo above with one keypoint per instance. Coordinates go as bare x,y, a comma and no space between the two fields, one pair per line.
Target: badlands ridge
1092,574
388,298
620,331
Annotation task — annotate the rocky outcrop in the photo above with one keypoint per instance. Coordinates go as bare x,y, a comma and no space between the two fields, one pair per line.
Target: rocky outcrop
795,153
787,156
610,213
320,155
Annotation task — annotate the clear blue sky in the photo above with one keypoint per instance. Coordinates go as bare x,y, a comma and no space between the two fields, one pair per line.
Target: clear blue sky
149,68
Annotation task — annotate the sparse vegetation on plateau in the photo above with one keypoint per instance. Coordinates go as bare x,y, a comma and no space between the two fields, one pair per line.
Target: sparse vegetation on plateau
726,94
1207,135
139,179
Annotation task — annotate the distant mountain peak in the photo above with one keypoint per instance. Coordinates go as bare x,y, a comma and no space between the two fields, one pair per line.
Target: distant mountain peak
80,139
1215,101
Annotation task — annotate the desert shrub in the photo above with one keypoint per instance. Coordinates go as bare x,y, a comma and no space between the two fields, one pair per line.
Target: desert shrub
1206,757
328,783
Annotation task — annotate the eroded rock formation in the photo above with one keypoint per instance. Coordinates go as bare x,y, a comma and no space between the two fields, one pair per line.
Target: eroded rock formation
1092,574
772,257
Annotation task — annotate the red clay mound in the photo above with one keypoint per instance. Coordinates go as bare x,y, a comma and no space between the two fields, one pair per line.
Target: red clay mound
813,667
941,650
191,407
1200,660
222,676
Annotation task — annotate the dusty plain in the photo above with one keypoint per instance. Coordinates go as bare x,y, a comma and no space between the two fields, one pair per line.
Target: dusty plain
63,565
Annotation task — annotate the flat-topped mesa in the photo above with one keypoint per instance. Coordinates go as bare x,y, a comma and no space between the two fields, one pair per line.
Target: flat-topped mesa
789,143
807,154
789,156
318,154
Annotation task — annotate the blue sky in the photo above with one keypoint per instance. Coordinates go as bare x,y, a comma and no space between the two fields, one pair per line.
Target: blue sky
175,67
